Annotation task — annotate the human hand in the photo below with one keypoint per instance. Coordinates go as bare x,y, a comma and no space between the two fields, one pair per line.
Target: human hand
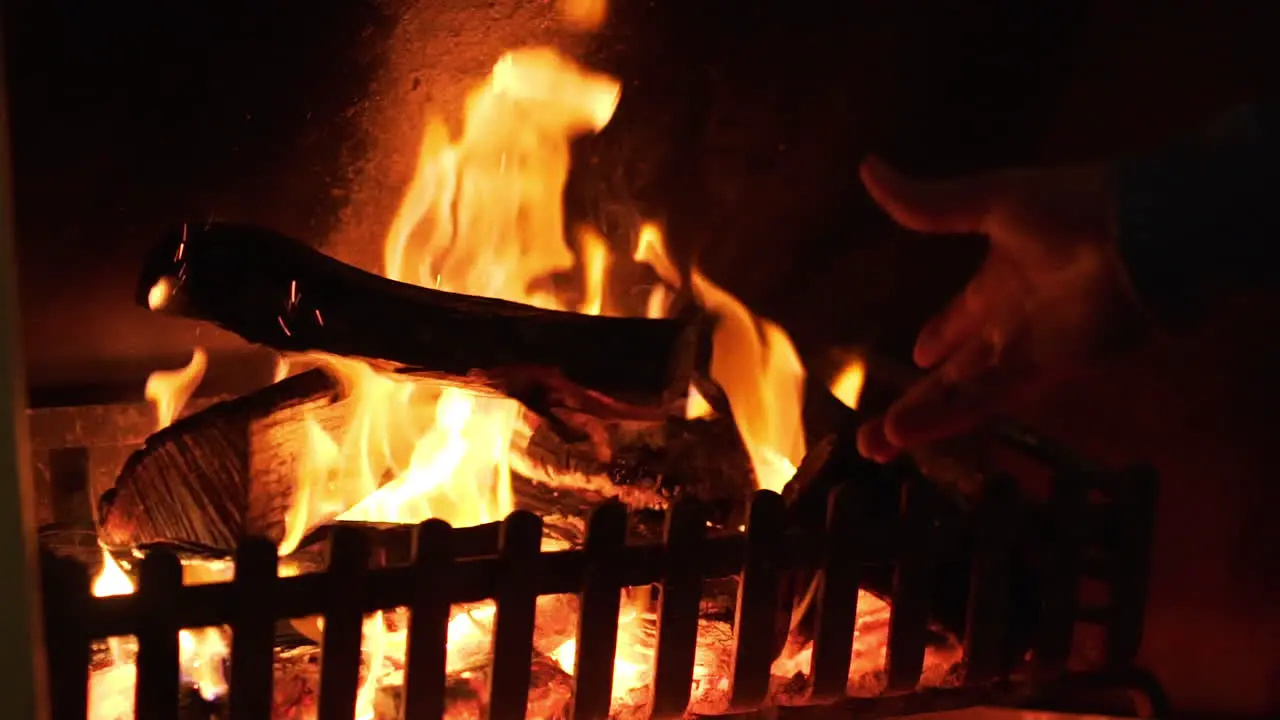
1050,299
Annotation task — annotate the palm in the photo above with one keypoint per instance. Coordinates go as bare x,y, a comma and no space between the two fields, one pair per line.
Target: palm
1040,305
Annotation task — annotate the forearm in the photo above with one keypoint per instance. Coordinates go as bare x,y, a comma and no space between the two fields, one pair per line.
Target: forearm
1196,220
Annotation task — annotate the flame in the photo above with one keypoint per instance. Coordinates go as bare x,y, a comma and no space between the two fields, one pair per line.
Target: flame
848,382
112,579
201,652
595,268
756,364
169,390
483,215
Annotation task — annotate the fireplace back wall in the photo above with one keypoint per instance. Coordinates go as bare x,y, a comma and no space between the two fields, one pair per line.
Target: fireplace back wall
305,117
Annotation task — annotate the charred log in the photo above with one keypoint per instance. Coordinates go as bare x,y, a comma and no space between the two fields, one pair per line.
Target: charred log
276,291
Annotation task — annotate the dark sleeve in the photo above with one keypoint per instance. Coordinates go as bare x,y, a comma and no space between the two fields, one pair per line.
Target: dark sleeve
1196,220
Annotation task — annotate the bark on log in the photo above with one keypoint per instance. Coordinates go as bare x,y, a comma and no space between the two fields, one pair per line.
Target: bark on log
276,291
231,470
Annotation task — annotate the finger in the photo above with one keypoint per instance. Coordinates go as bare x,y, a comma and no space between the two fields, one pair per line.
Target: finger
950,206
963,318
964,393
947,330
873,444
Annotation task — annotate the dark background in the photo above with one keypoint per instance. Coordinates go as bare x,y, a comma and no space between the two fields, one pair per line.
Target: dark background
742,125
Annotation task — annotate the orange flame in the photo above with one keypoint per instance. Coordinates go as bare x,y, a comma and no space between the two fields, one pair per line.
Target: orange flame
756,364
483,215
848,381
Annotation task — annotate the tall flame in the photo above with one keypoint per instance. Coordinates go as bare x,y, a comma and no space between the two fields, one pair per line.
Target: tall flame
483,216
754,361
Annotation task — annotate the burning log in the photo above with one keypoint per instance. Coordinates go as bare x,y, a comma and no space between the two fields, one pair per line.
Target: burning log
276,291
232,469
222,473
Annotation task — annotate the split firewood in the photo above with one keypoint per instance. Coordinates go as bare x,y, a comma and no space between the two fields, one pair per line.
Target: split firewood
276,291
232,469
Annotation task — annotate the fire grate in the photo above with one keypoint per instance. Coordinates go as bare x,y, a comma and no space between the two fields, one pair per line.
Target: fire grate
1093,528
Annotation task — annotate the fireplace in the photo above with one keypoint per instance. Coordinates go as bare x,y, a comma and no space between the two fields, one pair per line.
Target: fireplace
735,543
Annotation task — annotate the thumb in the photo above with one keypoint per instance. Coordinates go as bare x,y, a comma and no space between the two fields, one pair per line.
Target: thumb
949,206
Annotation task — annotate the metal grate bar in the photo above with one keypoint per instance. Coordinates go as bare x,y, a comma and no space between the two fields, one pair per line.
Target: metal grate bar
252,630
424,684
156,692
909,611
685,536
343,625
597,641
986,648
518,572
759,601
838,595
520,543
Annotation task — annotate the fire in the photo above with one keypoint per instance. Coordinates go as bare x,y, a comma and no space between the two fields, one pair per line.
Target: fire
169,390
483,215
112,579
756,364
847,383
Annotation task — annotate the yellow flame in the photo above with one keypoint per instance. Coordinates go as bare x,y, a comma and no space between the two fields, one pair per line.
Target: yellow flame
754,361
595,269
201,651
847,383
483,215
112,579
169,390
